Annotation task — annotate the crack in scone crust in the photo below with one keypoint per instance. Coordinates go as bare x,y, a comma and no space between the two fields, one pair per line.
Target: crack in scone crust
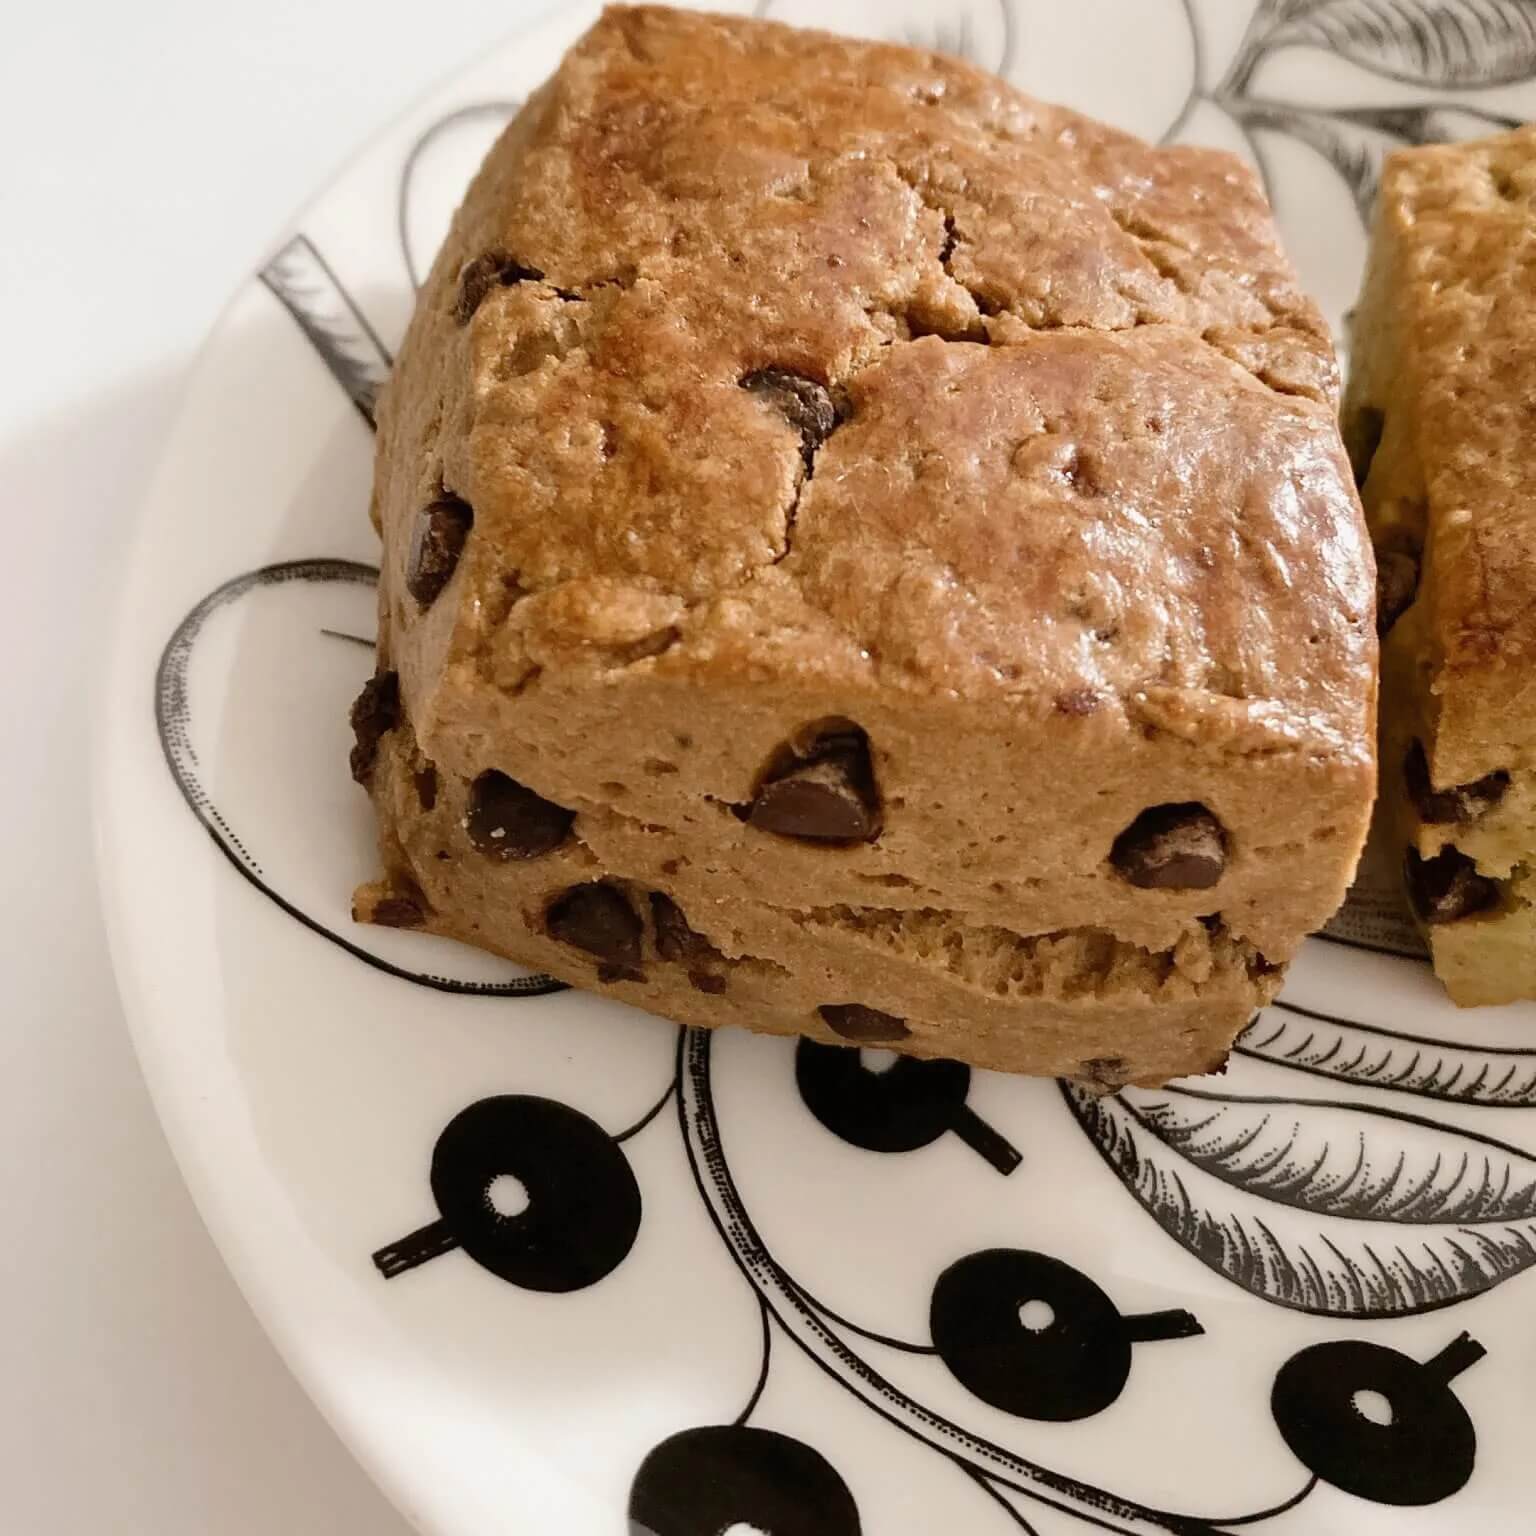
791,378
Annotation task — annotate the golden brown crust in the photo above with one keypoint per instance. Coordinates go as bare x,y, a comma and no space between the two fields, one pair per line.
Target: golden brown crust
792,379
1099,1009
1455,265
1444,376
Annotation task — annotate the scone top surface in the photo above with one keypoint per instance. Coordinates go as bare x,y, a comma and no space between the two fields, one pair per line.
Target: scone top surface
792,379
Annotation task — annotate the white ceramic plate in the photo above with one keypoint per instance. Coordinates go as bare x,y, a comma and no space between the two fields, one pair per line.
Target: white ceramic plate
1292,1299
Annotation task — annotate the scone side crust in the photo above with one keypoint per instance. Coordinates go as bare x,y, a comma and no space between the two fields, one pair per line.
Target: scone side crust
1460,222
1445,364
1049,1003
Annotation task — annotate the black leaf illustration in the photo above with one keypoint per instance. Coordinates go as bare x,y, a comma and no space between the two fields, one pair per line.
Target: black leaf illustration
258,838
1418,42
978,30
1327,1207
1306,1041
1356,140
302,280
1431,122
1356,150
436,172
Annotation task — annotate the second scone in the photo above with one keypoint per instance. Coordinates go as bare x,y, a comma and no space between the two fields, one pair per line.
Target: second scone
881,538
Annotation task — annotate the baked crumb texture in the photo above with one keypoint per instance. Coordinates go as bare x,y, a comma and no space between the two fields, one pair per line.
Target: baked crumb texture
868,555
1441,422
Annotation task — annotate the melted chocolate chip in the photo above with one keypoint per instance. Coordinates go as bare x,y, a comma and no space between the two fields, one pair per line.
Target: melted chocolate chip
485,272
1397,584
598,918
1172,848
825,794
853,1021
375,711
507,820
1447,888
707,981
1460,803
437,541
806,405
1362,437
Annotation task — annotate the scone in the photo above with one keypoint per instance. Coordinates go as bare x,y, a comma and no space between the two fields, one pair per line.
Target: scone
868,555
1439,418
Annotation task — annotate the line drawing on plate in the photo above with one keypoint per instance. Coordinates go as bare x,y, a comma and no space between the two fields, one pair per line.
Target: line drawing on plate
1303,1389
302,281
1331,1207
1342,1209
1369,1056
173,723
412,170
1420,45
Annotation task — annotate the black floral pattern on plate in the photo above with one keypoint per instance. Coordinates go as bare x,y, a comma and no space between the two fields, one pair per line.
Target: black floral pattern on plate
1349,1208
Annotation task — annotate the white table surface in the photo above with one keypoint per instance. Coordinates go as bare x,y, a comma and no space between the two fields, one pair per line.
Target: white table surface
149,151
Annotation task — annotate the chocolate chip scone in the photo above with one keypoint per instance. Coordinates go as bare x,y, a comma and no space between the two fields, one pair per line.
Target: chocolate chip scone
868,555
1438,418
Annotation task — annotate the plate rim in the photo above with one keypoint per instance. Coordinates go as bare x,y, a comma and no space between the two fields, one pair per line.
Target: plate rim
121,706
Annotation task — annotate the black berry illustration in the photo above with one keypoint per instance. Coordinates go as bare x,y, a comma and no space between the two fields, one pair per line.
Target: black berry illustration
887,1103
1377,1423
531,1190
1035,1337
730,1478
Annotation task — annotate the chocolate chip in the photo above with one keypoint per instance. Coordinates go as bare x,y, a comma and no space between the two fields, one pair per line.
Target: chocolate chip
1172,848
1460,803
1397,584
426,786
437,541
806,405
404,906
484,273
824,793
1362,437
598,918
1447,888
507,820
610,973
398,912
677,940
375,711
853,1021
